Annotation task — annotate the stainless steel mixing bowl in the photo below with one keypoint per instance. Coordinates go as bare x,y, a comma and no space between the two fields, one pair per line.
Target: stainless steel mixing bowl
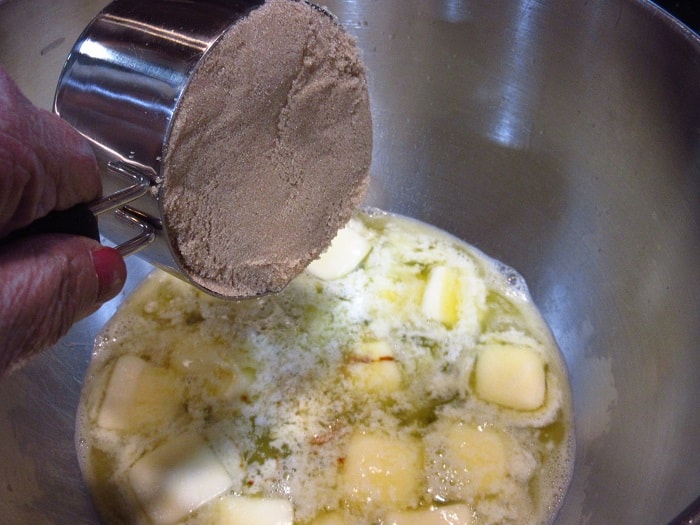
562,137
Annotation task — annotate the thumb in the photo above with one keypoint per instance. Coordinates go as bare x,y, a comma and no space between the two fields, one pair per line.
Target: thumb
47,283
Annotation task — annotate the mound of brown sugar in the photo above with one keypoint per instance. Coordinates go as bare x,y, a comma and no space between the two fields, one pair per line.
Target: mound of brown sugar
269,150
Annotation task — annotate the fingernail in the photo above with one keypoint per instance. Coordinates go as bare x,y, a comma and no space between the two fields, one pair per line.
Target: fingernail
110,270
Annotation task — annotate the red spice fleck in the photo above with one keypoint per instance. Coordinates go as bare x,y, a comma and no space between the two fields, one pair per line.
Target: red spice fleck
360,359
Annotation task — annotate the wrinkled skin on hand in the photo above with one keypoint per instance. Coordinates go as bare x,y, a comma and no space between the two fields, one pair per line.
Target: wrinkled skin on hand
44,164
47,282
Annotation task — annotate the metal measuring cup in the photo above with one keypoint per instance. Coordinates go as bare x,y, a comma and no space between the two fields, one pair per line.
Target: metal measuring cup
120,88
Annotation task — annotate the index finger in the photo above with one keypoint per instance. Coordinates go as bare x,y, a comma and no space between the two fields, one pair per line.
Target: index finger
45,164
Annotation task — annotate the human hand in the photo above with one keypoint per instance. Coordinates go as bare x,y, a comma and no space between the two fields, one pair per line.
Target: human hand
48,281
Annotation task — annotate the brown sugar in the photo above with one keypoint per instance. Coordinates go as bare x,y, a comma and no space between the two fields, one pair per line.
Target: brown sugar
269,151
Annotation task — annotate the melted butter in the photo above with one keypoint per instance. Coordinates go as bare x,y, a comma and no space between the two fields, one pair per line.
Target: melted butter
281,387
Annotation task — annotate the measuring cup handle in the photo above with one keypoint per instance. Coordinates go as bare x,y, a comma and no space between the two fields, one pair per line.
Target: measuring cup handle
81,219
78,220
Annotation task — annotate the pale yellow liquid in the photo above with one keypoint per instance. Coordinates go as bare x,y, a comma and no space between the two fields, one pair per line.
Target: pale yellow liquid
272,385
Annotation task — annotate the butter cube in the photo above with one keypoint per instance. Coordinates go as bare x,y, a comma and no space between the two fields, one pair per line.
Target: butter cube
221,379
456,514
374,369
477,457
247,510
382,470
510,375
441,295
347,250
139,395
178,477
377,377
